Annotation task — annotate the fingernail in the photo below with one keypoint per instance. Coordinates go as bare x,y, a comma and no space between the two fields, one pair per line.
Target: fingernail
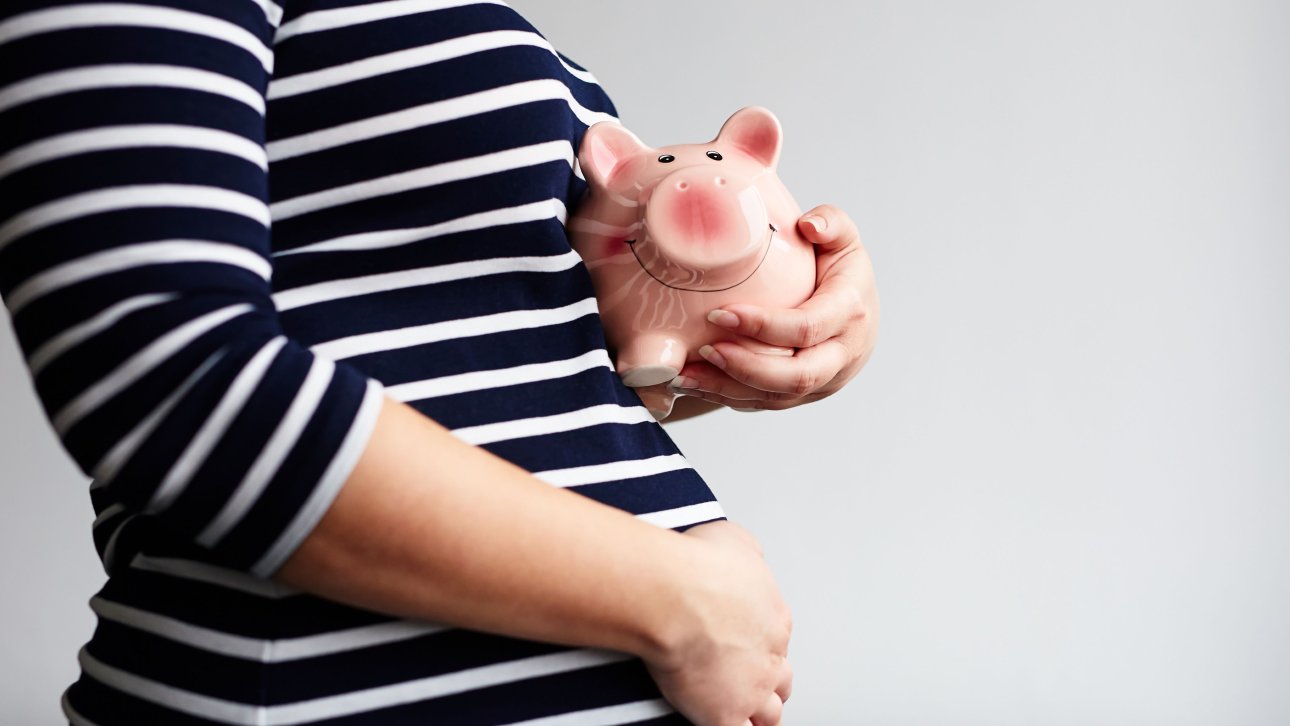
711,355
819,223
684,382
724,318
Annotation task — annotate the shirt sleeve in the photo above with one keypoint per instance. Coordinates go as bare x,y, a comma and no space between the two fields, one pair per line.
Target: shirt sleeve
134,263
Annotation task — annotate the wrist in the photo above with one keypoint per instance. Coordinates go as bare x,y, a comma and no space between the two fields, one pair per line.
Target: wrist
669,616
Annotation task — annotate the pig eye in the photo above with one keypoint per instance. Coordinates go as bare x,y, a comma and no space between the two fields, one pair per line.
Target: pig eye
714,155
667,158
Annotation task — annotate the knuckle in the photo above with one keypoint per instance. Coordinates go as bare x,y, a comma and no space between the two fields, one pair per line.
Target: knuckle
855,301
803,383
808,331
861,316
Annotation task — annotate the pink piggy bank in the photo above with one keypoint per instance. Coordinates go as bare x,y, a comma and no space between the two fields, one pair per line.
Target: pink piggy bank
669,234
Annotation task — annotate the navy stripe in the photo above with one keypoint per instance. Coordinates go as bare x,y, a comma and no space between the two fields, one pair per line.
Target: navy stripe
189,316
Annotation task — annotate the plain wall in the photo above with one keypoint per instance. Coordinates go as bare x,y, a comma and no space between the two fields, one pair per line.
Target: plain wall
1059,493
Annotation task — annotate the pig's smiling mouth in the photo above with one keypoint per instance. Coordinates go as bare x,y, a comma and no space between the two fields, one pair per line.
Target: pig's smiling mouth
631,244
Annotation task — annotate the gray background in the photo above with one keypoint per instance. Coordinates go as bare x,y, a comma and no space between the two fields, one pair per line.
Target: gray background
1059,492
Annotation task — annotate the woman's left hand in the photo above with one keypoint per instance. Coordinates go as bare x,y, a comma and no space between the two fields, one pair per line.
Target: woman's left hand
834,331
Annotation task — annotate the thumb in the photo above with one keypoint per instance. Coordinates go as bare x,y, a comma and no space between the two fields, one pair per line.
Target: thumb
828,227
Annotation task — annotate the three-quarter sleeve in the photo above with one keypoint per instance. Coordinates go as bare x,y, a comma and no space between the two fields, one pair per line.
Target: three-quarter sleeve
134,263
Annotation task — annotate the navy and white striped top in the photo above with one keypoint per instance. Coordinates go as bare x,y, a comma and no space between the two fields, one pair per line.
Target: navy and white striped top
227,229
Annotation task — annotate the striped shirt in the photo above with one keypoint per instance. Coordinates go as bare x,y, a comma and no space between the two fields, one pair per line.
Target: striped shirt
228,228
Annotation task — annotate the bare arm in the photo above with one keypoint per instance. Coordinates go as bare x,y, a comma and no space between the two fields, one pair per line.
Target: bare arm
428,526
157,350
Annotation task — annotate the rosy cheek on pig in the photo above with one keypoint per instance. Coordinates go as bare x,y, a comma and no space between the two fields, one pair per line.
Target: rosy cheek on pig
614,246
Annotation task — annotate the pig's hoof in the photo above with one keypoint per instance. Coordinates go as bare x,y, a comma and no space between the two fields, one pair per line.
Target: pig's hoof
642,376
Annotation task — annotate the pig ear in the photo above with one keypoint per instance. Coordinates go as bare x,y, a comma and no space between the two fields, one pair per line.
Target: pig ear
606,148
755,131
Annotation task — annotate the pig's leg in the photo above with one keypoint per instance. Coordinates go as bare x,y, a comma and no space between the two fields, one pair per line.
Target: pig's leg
650,359
658,400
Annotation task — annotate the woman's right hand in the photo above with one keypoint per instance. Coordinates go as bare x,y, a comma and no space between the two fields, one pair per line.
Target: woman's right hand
728,661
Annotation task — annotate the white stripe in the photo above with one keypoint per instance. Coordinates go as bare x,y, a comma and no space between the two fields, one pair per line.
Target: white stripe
472,104
442,685
284,438
272,12
347,703
132,256
532,212
605,413
117,75
137,196
343,640
106,138
213,575
614,471
625,713
137,365
109,551
74,716
80,332
329,485
107,514
498,377
214,426
320,20
383,282
384,340
108,467
259,649
377,65
88,15
428,176
681,516
176,698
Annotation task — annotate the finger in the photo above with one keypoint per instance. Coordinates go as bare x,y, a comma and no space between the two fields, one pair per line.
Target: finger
785,687
826,314
745,406
828,227
770,713
698,378
799,374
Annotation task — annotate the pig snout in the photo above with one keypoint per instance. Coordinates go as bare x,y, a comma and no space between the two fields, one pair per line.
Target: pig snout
702,229
698,211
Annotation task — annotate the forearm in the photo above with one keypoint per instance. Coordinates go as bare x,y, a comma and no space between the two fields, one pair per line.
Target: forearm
430,527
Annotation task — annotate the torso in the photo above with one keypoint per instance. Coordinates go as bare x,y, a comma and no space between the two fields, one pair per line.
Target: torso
418,247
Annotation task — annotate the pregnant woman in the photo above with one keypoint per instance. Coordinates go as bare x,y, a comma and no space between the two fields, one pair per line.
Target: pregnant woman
293,286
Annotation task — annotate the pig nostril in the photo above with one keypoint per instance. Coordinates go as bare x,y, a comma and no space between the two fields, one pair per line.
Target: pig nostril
721,181
682,185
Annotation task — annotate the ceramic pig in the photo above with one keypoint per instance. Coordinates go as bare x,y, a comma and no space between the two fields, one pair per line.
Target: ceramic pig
671,233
